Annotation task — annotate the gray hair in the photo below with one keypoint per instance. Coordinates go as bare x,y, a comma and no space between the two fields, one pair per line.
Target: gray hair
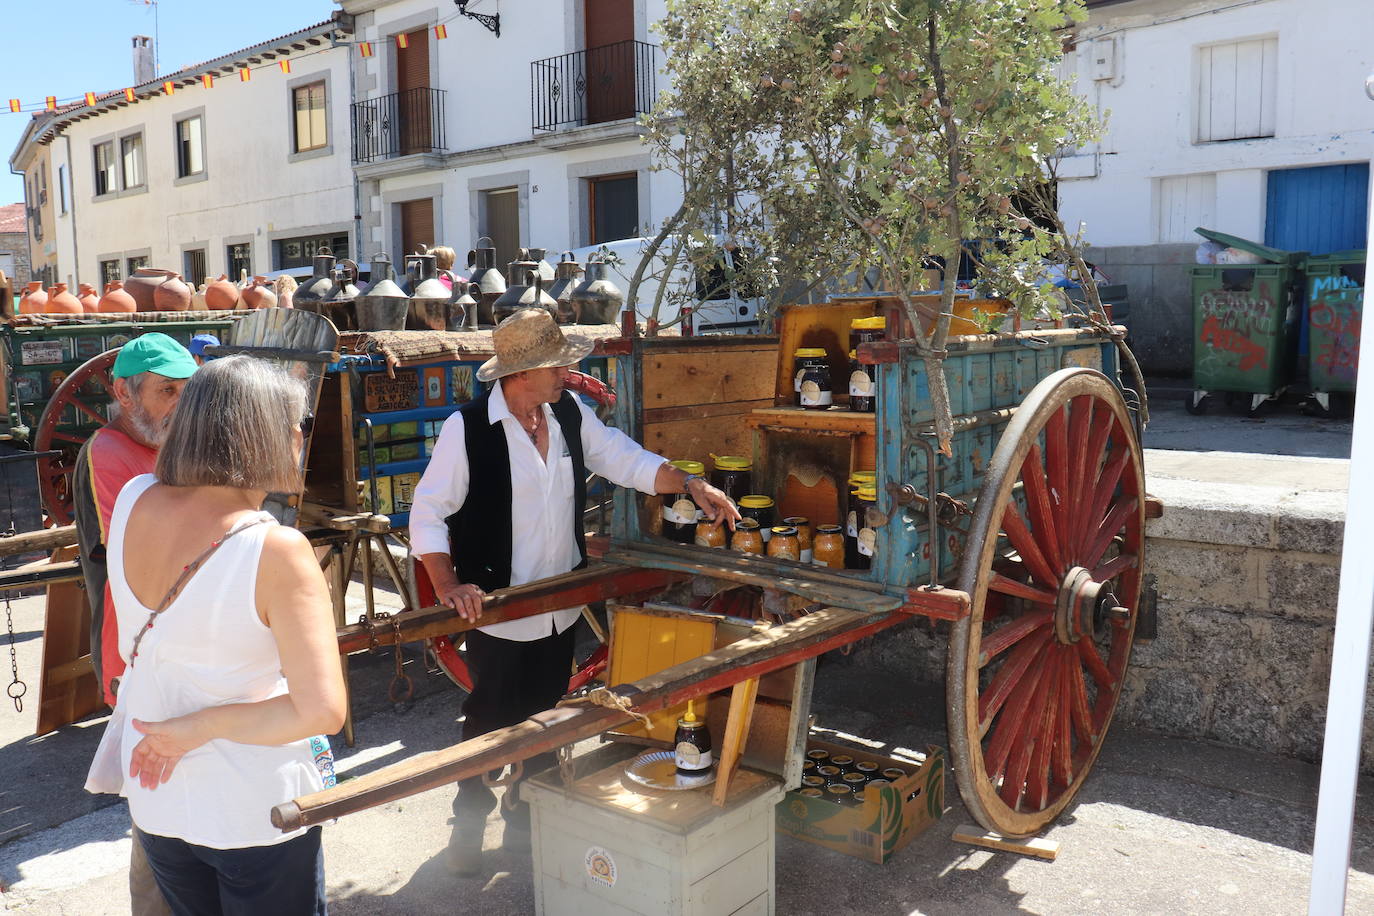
232,428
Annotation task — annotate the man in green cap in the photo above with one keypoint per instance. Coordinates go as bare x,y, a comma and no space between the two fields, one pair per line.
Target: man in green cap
148,374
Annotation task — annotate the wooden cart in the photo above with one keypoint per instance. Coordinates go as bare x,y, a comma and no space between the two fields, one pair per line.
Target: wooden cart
1026,539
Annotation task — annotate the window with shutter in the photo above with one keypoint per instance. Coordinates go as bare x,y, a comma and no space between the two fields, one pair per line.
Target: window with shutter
311,131
1237,90
417,225
1184,203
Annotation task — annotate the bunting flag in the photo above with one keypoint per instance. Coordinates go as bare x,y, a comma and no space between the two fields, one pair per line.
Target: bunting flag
168,87
90,100
403,40
207,81
365,48
129,95
51,102
14,105
245,74
441,31
285,66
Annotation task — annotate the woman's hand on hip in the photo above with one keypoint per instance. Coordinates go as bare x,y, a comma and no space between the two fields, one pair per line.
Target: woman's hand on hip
164,744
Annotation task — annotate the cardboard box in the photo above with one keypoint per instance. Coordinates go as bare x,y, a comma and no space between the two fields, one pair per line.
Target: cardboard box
884,823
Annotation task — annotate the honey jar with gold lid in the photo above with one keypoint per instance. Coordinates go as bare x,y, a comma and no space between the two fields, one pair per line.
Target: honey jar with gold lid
784,544
827,548
747,538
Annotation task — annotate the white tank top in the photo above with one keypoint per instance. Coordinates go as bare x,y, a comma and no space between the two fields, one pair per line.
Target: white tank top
208,648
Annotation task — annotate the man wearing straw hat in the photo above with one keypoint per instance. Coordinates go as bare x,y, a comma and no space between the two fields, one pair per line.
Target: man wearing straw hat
500,504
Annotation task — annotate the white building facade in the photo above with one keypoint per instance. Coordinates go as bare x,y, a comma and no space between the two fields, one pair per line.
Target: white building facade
529,138
1249,118
218,176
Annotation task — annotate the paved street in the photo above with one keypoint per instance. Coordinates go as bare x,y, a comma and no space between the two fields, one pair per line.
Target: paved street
1163,826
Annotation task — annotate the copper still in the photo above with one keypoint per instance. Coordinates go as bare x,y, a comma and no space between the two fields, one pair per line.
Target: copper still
487,283
564,282
597,300
382,306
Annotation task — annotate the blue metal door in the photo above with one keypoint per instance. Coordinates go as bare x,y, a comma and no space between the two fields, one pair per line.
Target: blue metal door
1318,210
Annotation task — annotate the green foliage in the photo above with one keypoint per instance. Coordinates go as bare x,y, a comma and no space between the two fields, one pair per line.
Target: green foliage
837,136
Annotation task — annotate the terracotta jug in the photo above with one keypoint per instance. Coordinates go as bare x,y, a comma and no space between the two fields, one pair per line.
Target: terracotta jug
61,302
33,300
221,295
172,295
117,298
90,299
259,295
144,283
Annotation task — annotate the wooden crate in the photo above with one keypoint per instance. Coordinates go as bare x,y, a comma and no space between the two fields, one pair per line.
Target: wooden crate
803,458
606,846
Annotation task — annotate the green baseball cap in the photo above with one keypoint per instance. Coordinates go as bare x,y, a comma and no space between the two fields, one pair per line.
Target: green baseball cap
154,353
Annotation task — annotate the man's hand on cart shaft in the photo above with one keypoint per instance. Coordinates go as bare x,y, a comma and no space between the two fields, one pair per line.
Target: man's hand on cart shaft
465,598
717,506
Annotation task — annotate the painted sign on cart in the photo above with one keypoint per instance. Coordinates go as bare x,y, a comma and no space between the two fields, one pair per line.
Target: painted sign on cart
381,393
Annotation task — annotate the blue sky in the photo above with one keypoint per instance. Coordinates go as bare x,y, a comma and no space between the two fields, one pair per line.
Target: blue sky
69,47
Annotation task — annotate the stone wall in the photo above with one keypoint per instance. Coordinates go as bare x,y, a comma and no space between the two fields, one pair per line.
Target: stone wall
1247,578
1161,304
17,244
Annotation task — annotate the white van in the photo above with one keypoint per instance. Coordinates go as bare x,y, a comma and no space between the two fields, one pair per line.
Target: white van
717,308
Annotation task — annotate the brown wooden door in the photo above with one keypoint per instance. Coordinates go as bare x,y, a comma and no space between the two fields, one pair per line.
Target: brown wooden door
417,227
414,120
609,27
503,224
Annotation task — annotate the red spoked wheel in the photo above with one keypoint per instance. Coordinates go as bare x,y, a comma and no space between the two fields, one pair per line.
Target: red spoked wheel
76,391
1053,566
448,650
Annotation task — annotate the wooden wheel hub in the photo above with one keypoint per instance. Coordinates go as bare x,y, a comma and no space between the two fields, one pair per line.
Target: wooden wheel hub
1076,607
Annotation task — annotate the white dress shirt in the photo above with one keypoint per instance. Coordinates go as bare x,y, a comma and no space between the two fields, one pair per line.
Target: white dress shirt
541,499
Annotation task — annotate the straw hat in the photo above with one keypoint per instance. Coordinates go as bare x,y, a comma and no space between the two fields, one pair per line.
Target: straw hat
531,339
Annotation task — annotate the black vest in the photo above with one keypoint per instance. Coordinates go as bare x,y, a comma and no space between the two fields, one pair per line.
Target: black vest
481,533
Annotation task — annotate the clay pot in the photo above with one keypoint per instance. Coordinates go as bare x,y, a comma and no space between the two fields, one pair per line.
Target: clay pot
90,299
221,295
144,283
61,302
173,295
259,295
33,300
117,299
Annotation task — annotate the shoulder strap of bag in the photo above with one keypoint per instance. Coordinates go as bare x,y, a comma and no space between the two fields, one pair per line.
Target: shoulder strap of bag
187,572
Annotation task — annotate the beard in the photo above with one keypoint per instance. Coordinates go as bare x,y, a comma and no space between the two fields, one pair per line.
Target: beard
151,431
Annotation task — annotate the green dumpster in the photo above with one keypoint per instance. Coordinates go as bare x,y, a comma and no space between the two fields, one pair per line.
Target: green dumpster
1245,324
1335,299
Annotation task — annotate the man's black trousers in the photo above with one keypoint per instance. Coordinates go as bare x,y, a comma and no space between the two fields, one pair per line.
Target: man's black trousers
512,681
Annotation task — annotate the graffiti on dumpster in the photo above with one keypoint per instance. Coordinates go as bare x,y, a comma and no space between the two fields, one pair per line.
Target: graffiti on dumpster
1251,354
1240,322
1335,322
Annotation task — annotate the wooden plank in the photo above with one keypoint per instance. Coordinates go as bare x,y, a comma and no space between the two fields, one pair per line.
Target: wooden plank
742,697
43,572
756,655
1039,847
820,592
48,539
697,440
703,411
595,583
706,375
834,420
62,697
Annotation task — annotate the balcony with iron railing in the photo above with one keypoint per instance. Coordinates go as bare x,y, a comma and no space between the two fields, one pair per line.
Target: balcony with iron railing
399,124
595,86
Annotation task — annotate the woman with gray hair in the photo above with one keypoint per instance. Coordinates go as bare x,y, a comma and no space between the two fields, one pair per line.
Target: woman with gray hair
233,671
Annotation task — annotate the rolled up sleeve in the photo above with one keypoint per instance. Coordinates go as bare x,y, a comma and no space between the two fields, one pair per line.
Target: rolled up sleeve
615,456
442,490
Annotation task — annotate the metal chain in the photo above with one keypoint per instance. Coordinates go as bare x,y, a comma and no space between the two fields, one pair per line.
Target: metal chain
17,687
400,681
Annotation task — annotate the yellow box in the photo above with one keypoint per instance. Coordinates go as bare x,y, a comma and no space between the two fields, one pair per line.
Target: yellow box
884,823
